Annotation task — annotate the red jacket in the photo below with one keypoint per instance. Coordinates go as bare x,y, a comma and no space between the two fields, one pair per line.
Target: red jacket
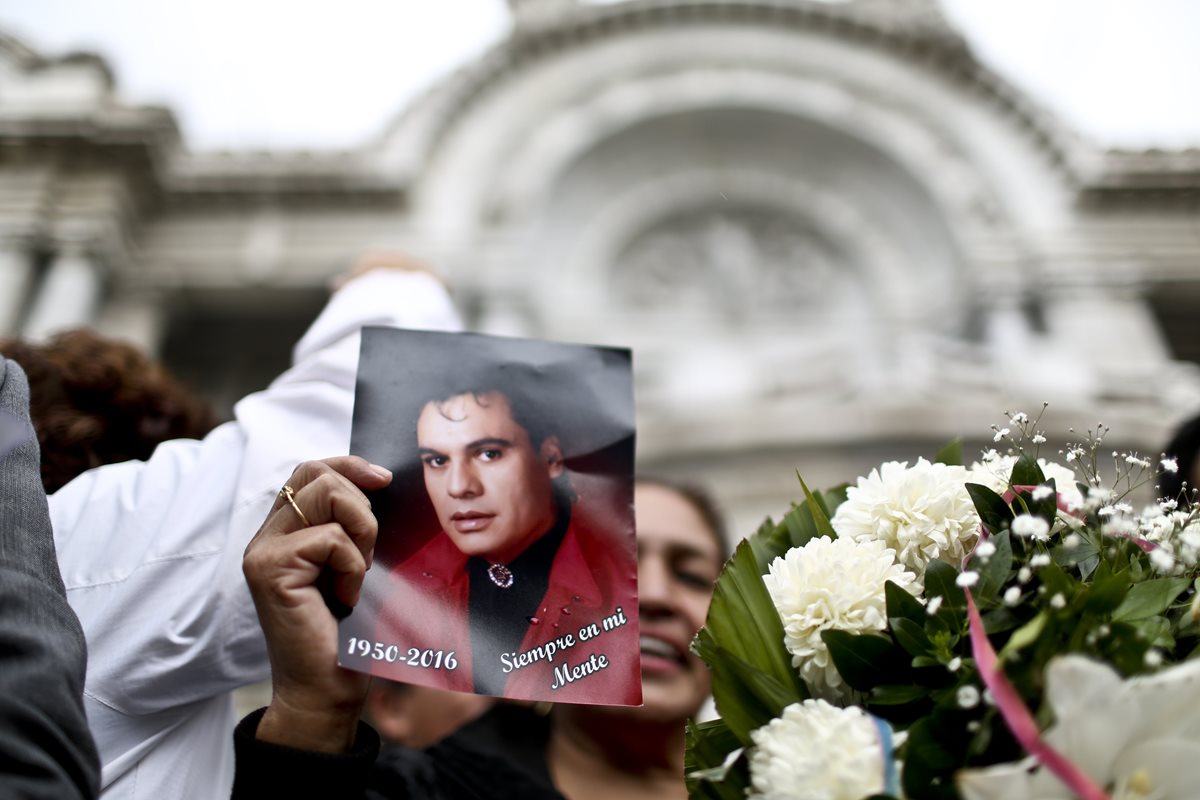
426,614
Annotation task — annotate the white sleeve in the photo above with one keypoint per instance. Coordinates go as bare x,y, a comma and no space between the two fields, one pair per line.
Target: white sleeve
151,551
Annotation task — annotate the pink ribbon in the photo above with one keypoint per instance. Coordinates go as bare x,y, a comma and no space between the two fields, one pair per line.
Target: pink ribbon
1017,716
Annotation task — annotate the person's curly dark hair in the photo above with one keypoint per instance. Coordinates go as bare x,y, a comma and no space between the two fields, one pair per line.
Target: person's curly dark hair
97,401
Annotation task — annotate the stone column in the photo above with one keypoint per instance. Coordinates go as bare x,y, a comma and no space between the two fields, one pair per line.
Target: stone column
68,297
16,277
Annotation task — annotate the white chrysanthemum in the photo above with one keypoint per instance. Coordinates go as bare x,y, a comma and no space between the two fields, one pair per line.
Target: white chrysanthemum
815,751
922,512
994,474
831,584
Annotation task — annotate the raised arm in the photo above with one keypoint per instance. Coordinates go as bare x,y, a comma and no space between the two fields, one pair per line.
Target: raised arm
151,551
309,737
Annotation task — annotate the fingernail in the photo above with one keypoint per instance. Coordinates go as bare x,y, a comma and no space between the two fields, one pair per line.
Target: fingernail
382,472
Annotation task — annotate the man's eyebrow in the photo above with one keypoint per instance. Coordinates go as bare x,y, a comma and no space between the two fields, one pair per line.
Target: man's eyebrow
493,441
427,451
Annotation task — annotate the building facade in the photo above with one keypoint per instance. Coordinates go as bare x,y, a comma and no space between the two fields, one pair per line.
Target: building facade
830,234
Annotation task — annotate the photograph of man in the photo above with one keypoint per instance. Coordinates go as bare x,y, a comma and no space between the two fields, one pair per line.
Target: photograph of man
516,571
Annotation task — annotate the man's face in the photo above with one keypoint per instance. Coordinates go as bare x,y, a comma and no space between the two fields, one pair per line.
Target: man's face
492,492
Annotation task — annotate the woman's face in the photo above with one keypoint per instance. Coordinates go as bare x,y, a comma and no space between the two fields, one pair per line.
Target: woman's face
678,563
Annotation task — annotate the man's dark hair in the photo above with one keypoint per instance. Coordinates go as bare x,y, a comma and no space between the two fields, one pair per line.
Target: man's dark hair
525,390
1184,447
525,409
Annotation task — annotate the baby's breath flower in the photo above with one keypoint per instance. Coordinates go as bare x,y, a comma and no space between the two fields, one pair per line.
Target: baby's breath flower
985,550
933,605
1072,541
1042,492
1012,595
1169,465
1058,601
1153,658
1000,434
1038,438
953,664
1162,559
1024,574
967,696
1031,526
967,579
1040,560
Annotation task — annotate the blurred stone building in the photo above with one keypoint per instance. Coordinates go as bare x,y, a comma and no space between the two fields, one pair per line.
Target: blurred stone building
830,234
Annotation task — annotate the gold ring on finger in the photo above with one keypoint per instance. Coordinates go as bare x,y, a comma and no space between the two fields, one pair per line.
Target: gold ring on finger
289,494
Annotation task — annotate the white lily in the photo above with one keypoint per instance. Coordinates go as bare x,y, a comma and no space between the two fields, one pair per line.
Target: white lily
1139,739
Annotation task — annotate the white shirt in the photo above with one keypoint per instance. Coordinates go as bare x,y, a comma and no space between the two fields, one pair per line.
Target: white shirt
151,553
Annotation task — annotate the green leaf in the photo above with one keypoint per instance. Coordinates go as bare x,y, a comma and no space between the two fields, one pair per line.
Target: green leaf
1069,556
814,508
1026,635
939,582
800,526
1156,631
911,636
1107,593
747,698
1149,598
897,694
743,620
1026,472
704,764
993,573
928,761
1056,580
830,499
768,543
993,511
902,604
951,454
1000,620
865,661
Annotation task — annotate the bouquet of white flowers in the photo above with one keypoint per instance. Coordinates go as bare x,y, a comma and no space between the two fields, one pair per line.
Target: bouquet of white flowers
1012,629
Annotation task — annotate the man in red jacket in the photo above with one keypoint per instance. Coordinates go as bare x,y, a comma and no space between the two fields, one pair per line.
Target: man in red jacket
521,593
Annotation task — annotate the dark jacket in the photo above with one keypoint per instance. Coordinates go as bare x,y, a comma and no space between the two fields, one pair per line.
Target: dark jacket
501,755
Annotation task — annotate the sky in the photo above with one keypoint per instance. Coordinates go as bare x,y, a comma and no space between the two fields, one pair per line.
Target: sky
281,74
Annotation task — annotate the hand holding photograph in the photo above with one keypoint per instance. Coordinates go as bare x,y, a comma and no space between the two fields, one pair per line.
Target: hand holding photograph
506,561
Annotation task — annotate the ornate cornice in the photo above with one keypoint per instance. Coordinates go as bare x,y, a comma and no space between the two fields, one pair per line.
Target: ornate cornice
1167,178
918,39
31,61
